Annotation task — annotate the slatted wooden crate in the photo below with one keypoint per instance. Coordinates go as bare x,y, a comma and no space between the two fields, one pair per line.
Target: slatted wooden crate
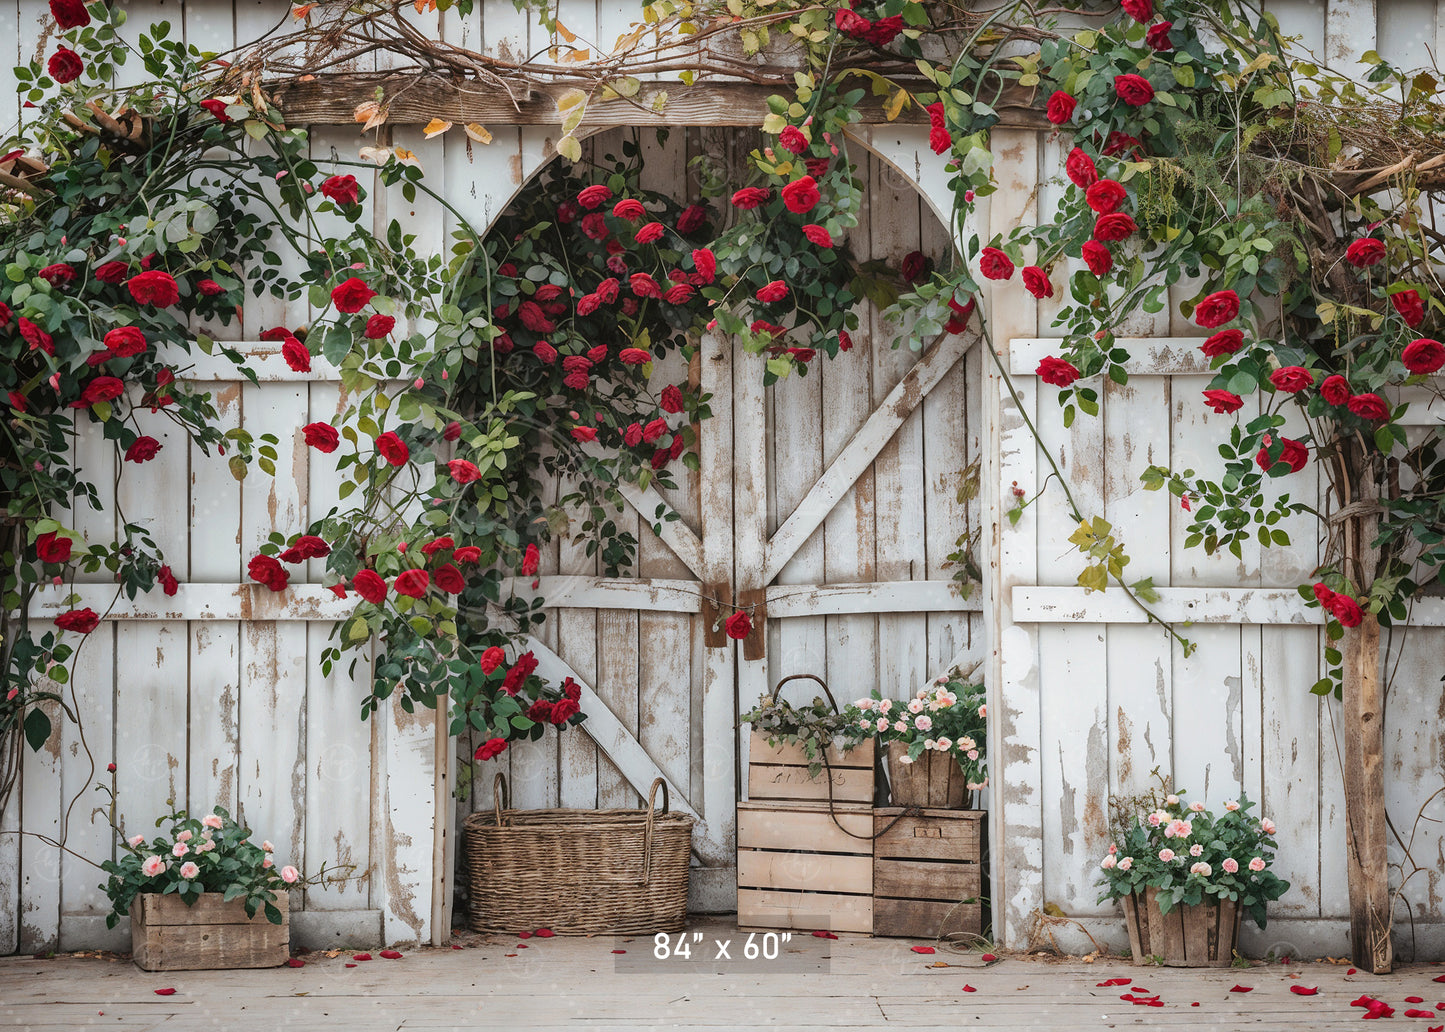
779,773
924,866
828,885
167,935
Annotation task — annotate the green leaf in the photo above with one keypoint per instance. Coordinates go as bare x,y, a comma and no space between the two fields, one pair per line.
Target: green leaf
37,728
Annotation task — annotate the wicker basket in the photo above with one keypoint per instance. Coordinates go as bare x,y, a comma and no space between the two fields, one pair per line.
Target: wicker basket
577,872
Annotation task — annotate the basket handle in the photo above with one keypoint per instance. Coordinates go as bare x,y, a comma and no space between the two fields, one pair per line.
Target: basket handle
500,792
812,677
647,833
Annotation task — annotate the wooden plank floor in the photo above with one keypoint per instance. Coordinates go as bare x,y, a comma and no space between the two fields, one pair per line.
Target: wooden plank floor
580,984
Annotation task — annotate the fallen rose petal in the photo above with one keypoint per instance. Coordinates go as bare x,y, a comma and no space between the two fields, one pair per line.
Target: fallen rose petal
1242,989
1300,990
391,954
1194,1004
295,962
362,956
824,935
1113,981
624,951
1363,1001
1350,972
1151,1003
544,933
521,945
922,949
351,965
969,989
524,935
1415,1012
509,954
1438,978
988,958
455,946
1440,1006
1436,1028
165,992
1414,999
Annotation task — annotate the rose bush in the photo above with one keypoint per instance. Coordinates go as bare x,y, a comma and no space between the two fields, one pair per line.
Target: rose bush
948,716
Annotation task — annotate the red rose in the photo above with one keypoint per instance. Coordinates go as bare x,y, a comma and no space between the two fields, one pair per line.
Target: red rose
607,289
793,139
1133,90
650,233
210,288
584,434
680,294
154,288
378,326
216,107
1080,169
52,548
268,571
594,196
142,449
531,559
436,545
588,303
705,264
759,326
1423,356
594,226
1036,282
1364,252
412,583
1114,226
1292,379
492,658
851,23
739,625
884,30
450,579
17,401
1322,593
167,580
102,388
1158,36
577,381
1370,406
1345,609
321,436
112,272
344,190
296,355
494,747
750,197
643,285
817,167
36,337
540,712
564,709
309,546
125,341
1118,143
1335,390
70,14
1105,196
1057,371
392,448
525,666
65,65
370,586
1292,454
653,430
1223,402
58,275
939,139
452,431
571,690
671,399
463,472
819,236
82,621
958,322
632,436
804,355
629,209
1217,309
1098,258
801,195
1139,10
1225,342
634,356
1410,307
692,218
994,264
276,333
1060,107
545,352
773,291
352,295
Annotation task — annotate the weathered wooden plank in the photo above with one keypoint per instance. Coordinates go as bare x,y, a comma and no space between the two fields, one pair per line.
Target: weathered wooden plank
922,880
1266,606
750,515
1292,742
925,919
41,808
1349,32
1148,356
807,827
578,646
777,782
167,935
807,872
781,909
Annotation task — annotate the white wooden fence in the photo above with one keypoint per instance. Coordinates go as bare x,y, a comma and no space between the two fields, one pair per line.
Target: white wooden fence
831,496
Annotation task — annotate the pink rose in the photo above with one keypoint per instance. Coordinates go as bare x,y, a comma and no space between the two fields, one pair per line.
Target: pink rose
180,849
189,870
1166,855
135,840
213,820
1256,865
1266,825
1126,863
289,874
1230,865
152,866
1201,868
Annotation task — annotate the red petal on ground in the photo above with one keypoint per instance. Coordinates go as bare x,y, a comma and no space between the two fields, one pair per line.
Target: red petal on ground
295,962
1113,981
165,992
351,965
1438,978
509,954
1350,972
1414,999
1242,989
521,945
1300,990
455,946
922,949
619,951
362,956
524,935
1415,1013
1436,1028
544,933
1364,1000
391,954
969,989
1194,1005
988,958
1152,1003
824,935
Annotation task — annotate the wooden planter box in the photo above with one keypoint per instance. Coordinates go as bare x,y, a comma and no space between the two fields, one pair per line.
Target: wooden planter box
935,779
779,773
1187,936
797,869
167,935
924,867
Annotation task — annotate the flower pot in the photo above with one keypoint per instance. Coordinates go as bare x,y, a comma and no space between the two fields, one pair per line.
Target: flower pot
167,935
934,780
1201,935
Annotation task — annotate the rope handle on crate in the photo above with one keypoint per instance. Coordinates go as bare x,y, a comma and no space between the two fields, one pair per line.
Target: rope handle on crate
500,791
647,833
812,677
908,811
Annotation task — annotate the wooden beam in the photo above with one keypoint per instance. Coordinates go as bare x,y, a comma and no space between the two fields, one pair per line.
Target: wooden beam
1263,606
416,98
860,452
676,534
931,596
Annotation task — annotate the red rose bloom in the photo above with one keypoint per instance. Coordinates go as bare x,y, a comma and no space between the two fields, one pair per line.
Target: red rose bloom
671,399
594,226
851,23
52,548
705,264
344,190
571,690
653,430
1365,252
584,434
156,288
1057,371
369,585
819,236
352,295
125,341
296,355
914,266
1158,36
1292,454
739,625
650,233
793,139
1223,402
308,546
939,139
629,209
801,195
1133,90
436,545
1098,258
1292,379
607,290
1139,10
276,333
680,294
632,436
268,571
1080,169
540,712
750,197
594,196
102,388
450,579
588,303
577,381
531,559
1114,226
692,218
412,583
321,436
773,291
492,658
494,747
958,322
210,288
1105,196
1118,143
82,621
1060,107
1423,356
546,353
452,431
1410,307
1347,611
534,318
643,285
994,264
378,326
392,448
167,580
463,472
563,710
70,14
58,275
112,272
1370,406
1036,282
142,449
1225,342
1217,309
216,107
1335,390
17,401
65,65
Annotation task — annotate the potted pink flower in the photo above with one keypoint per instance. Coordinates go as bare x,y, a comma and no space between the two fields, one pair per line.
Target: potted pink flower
936,742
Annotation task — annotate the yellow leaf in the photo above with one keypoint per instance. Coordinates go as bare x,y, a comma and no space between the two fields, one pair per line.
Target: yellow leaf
436,127
422,6
478,132
894,105
659,101
578,56
371,113
569,148
301,10
567,34
406,157
570,99
627,86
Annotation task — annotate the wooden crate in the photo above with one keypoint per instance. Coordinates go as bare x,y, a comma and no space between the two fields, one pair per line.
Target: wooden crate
797,869
924,866
167,935
779,773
